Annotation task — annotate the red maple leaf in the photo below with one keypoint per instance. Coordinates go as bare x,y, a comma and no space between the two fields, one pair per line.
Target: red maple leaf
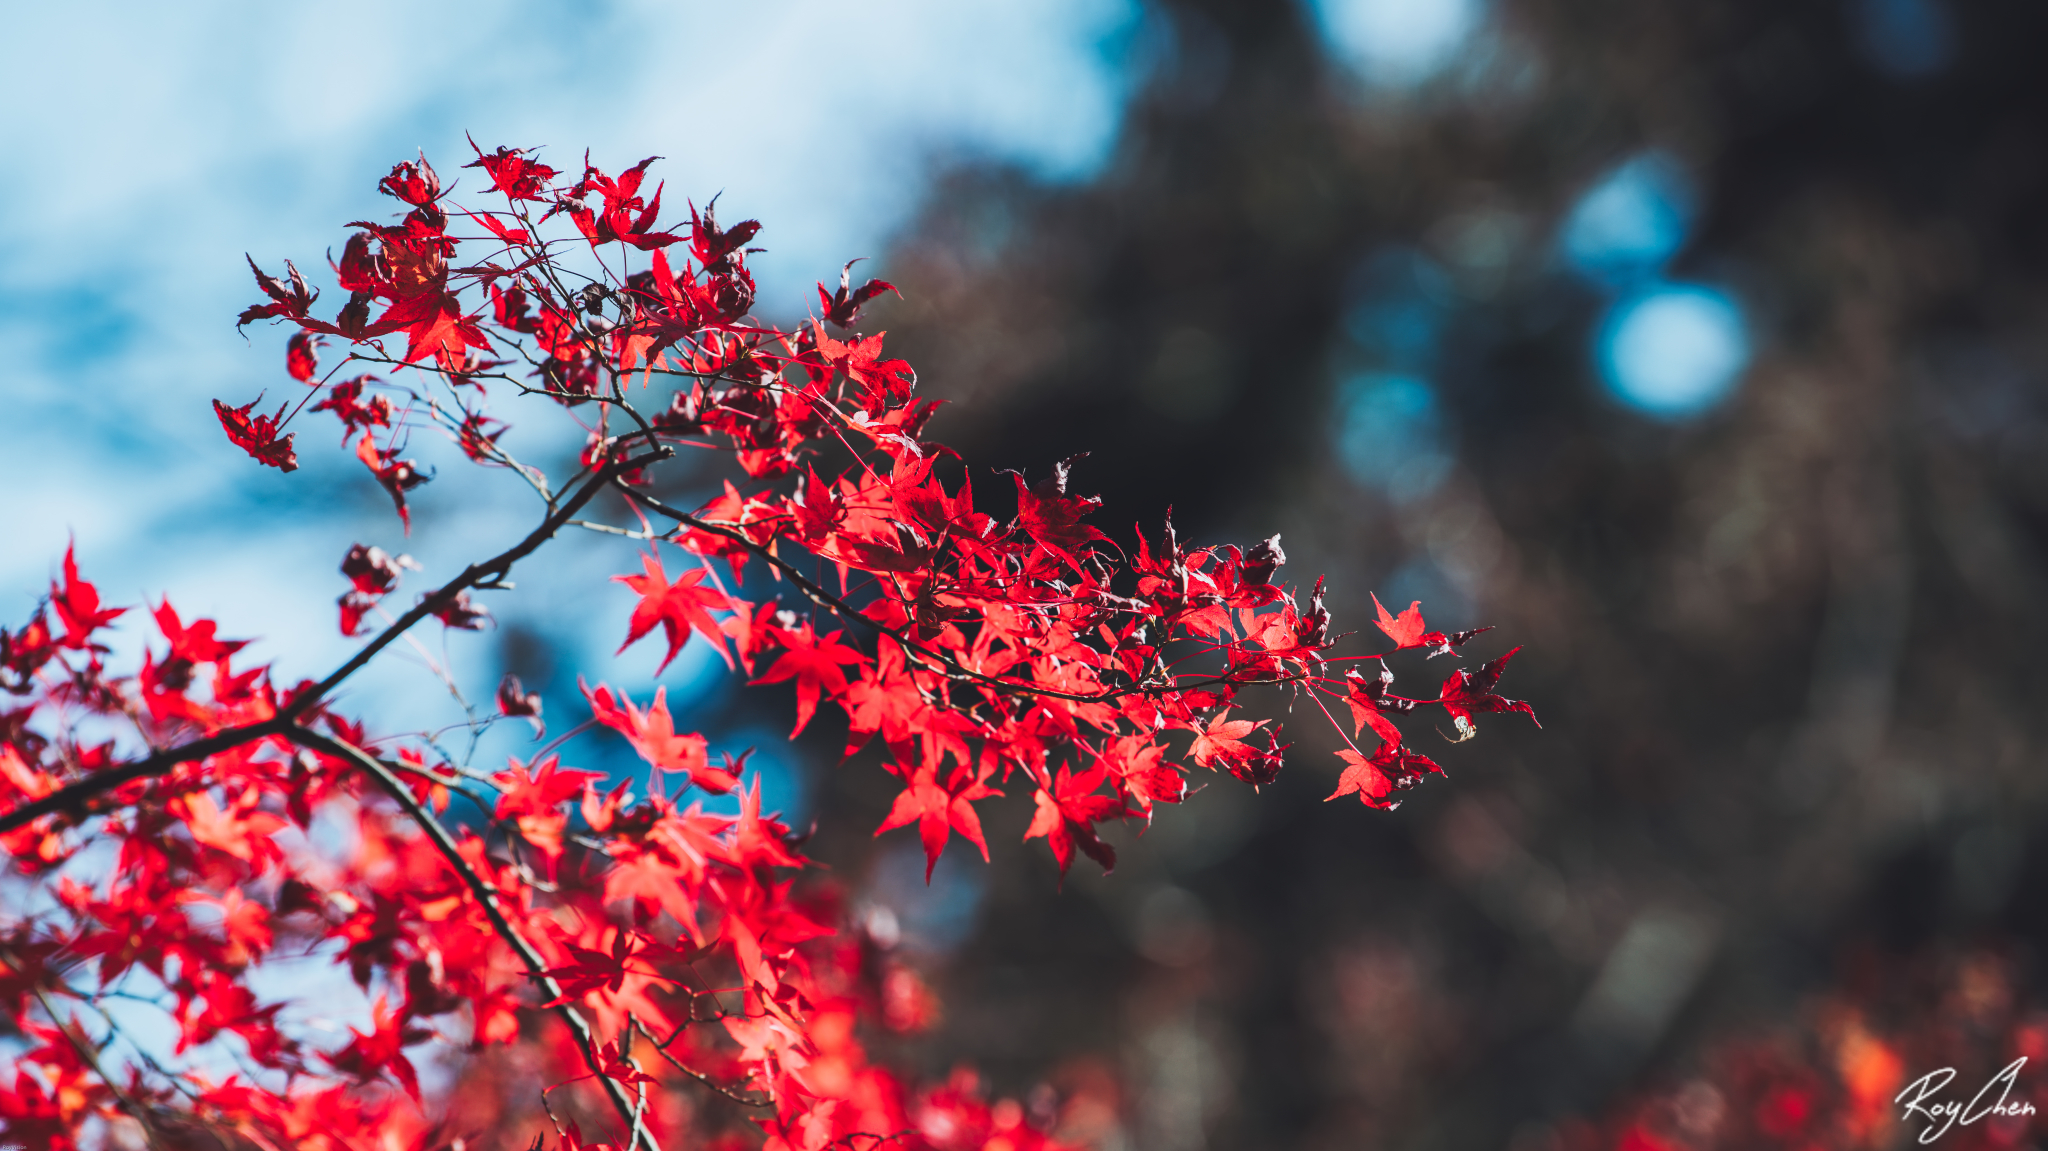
459,612
515,700
512,173
939,811
1370,703
538,790
1223,742
354,606
817,507
715,247
814,663
1052,517
345,400
594,970
614,1065
300,358
239,829
394,475
257,435
513,237
476,439
1406,630
883,699
755,630
649,876
414,183
244,922
1139,766
374,571
1223,739
884,383
653,735
618,219
78,606
292,303
381,1049
437,327
1390,769
1067,816
228,1006
842,308
756,839
677,607
163,682
1468,692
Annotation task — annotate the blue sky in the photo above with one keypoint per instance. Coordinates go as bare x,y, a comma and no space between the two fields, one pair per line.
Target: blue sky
154,144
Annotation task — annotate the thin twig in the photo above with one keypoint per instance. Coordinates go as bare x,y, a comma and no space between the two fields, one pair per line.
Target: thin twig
92,1059
610,530
699,1076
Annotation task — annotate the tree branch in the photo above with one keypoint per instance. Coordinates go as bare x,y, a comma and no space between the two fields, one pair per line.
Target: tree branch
74,796
953,669
486,894
497,567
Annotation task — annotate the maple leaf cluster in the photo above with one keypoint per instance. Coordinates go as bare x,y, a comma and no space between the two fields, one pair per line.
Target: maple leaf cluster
654,946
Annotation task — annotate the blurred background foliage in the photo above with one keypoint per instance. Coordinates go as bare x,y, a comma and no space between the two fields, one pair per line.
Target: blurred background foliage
1697,346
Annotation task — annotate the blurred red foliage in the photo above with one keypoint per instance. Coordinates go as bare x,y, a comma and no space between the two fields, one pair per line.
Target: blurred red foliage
1862,1067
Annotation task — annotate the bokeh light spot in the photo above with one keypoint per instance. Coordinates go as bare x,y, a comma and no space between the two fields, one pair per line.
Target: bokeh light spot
1674,350
1905,38
1396,43
1632,221
933,916
1401,302
1390,434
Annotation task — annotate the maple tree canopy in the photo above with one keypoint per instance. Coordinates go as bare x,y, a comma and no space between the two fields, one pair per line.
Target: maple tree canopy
160,825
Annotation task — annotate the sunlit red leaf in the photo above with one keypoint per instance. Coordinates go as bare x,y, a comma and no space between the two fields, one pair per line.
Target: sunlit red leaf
678,607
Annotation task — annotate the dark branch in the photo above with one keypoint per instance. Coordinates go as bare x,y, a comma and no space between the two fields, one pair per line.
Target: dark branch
75,797
486,894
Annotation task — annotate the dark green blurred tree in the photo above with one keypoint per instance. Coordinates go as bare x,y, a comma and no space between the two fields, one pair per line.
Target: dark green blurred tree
1783,649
